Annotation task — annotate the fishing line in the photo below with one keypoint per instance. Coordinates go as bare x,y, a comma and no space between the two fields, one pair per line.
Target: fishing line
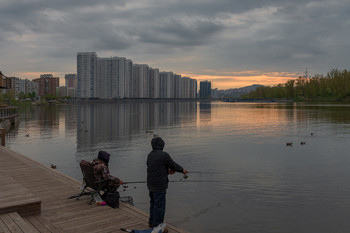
126,188
207,172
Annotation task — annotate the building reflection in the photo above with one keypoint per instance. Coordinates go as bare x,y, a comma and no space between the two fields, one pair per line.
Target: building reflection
205,111
103,122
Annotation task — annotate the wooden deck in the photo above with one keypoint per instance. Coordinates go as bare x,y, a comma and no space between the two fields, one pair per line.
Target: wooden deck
34,198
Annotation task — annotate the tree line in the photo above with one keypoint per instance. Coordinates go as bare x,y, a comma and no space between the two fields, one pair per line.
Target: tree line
333,86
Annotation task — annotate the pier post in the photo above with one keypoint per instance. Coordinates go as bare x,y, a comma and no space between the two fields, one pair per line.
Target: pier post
2,136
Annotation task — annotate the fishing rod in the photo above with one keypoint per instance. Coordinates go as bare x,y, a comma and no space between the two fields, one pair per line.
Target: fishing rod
181,181
206,172
127,188
185,176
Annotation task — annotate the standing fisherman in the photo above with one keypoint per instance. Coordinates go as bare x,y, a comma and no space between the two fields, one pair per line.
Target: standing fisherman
159,166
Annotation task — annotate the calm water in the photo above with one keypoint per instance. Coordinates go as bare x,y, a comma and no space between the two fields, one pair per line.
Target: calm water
245,179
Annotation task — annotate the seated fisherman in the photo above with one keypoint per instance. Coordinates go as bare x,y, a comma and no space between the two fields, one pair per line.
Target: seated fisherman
101,171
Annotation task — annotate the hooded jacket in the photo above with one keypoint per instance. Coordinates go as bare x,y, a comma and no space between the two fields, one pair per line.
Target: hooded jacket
104,156
158,163
101,170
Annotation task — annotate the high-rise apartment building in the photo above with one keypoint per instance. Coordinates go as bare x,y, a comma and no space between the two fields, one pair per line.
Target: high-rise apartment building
114,78
128,78
154,83
167,85
106,75
177,87
163,85
47,84
121,77
118,77
144,80
186,87
71,80
135,81
205,90
193,89
86,74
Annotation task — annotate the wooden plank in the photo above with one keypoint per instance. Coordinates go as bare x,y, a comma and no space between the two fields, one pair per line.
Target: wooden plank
23,208
8,193
16,198
100,224
37,224
21,223
43,224
3,227
82,217
11,225
24,198
73,206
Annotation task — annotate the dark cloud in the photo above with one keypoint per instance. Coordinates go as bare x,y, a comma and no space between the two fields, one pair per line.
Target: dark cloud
194,35
175,33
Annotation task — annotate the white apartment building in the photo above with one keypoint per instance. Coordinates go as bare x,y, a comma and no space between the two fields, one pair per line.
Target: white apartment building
163,85
25,86
86,74
177,87
144,81
118,77
193,88
128,79
167,85
135,81
105,77
154,83
114,76
121,77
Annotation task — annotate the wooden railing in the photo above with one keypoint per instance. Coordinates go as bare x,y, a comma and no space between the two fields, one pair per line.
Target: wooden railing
6,112
2,132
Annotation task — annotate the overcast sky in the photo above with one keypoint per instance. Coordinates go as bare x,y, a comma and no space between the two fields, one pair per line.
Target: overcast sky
233,43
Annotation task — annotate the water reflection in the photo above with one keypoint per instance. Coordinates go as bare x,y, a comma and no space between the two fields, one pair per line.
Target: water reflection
265,184
205,111
97,123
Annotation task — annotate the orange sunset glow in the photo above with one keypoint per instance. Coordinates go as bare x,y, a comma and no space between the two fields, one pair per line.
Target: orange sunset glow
246,78
227,80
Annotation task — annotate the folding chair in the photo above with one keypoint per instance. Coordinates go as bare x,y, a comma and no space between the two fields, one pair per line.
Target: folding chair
91,185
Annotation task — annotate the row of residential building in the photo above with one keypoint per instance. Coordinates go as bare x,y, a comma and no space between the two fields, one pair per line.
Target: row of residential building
108,78
118,77
47,84
18,85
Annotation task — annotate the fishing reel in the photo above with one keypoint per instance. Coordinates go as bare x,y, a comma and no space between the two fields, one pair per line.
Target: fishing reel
185,176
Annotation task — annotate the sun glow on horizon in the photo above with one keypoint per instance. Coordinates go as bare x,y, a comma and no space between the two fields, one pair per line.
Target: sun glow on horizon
228,80
242,79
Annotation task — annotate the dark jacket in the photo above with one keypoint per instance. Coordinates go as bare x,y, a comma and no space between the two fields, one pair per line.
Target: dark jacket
158,163
101,170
